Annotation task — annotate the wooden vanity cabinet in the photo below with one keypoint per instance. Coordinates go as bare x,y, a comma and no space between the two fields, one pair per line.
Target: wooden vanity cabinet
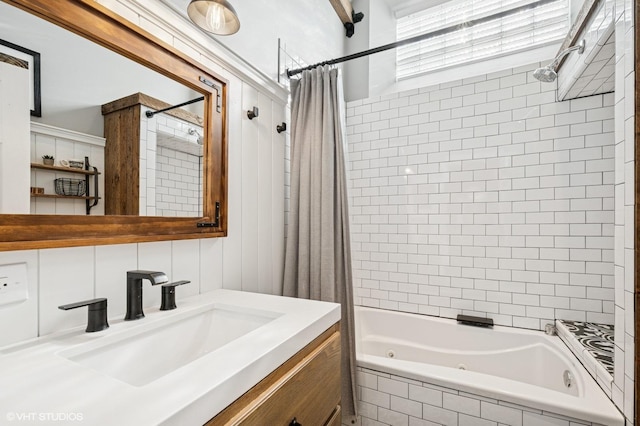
306,387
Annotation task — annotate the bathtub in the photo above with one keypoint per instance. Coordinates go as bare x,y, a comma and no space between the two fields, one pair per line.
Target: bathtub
524,369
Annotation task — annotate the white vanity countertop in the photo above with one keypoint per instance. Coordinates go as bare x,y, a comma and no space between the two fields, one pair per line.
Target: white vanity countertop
40,385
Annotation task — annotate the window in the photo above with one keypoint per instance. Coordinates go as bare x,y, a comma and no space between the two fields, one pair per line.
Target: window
529,28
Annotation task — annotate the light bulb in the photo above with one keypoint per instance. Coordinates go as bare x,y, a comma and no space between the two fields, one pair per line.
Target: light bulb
215,16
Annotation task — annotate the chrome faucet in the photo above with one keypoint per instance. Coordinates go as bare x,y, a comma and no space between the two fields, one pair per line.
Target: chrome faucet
550,329
134,291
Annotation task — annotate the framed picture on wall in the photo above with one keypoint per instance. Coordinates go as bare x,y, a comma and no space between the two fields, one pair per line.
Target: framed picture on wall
32,60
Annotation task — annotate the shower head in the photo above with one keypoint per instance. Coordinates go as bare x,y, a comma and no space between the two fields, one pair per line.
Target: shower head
548,74
194,132
545,74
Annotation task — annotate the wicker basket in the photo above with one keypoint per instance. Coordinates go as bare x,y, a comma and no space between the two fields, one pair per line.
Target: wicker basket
71,187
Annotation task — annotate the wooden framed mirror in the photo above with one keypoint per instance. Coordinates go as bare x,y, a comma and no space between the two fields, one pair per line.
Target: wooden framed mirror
103,27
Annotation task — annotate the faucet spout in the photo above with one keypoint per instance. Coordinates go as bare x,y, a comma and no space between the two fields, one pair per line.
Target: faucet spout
153,276
134,291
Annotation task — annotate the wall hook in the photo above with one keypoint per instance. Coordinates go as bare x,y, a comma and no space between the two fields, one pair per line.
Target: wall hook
281,127
252,113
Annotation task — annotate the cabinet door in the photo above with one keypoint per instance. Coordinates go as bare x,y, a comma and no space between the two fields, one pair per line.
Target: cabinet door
336,417
309,393
306,387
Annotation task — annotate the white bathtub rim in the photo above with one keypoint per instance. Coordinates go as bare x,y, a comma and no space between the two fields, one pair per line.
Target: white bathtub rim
451,321
377,338
594,405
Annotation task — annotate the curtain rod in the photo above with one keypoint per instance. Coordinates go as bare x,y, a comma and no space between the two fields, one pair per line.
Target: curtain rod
150,114
425,36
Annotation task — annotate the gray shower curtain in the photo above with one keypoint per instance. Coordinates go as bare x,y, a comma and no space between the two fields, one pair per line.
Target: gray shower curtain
318,251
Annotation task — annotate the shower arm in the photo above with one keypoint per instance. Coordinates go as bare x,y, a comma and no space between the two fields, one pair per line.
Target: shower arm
579,47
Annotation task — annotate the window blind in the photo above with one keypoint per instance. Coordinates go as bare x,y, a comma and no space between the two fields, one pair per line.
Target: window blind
526,29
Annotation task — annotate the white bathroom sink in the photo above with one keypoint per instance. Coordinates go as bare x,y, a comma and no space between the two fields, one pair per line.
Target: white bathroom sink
171,368
141,358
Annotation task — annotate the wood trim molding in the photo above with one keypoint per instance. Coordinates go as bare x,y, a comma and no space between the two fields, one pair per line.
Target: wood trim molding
59,132
95,22
344,10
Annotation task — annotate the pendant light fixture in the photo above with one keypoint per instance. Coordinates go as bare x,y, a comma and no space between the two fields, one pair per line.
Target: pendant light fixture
214,16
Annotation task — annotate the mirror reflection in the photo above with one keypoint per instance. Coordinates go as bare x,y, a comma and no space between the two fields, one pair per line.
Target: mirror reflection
109,157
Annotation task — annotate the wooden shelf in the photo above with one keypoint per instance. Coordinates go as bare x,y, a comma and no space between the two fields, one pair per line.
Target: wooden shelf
73,197
63,169
90,201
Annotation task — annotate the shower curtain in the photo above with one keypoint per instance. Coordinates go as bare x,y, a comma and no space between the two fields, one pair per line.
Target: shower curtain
318,250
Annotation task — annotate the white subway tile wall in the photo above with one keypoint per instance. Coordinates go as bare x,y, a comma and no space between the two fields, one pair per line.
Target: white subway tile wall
178,183
170,180
593,71
148,163
623,380
386,399
485,197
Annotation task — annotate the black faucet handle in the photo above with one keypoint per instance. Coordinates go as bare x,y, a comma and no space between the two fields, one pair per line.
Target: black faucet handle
169,295
97,313
100,303
176,284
